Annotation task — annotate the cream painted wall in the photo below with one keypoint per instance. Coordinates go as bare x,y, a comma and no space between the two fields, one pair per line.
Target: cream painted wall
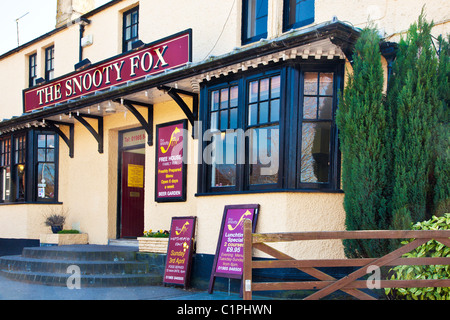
390,16
159,19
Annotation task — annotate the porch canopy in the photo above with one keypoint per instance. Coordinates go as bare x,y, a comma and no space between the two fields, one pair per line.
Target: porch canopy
330,40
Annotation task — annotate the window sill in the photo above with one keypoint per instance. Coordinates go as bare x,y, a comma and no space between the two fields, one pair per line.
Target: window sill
224,193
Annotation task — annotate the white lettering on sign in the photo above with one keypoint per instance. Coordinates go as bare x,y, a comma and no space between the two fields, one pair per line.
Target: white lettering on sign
133,138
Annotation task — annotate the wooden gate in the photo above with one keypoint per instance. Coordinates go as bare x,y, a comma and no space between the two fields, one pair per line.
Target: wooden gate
327,284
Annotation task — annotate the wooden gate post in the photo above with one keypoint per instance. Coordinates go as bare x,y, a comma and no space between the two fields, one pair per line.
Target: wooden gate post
247,273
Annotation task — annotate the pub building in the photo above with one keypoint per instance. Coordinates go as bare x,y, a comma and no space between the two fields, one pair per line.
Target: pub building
243,92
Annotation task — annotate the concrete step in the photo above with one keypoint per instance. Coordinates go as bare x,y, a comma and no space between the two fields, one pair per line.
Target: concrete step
20,263
82,253
124,242
59,279
98,265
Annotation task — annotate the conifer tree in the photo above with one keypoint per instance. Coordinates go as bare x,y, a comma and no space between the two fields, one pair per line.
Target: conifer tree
441,199
361,120
415,109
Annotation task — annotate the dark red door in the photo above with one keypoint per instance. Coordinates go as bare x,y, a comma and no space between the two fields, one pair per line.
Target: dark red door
132,195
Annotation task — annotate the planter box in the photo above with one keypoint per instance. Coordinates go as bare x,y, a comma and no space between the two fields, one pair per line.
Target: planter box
156,245
63,239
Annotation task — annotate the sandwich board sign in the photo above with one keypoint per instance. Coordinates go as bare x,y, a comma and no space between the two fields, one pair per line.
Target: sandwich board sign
229,258
179,251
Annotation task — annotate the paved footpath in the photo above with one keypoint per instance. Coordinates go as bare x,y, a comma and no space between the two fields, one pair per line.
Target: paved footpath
15,290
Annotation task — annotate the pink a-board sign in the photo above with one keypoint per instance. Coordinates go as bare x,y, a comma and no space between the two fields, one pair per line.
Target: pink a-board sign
229,258
179,251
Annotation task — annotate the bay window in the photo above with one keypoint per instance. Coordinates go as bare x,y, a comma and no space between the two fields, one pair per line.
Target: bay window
272,130
28,167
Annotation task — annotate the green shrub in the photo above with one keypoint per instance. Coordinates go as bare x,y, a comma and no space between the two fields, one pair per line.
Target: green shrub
156,234
68,232
430,249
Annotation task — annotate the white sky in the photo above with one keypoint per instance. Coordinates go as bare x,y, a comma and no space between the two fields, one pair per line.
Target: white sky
41,18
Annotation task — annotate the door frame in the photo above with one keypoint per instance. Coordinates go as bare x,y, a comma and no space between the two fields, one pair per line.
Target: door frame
120,149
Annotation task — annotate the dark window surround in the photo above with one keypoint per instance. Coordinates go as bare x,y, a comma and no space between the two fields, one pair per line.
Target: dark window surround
32,70
50,63
246,38
308,19
127,41
30,159
291,114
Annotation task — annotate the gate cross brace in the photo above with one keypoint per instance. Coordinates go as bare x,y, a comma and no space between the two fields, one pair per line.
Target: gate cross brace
98,135
52,125
146,125
175,95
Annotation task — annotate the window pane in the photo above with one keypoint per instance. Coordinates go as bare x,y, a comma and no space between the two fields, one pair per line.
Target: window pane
252,114
215,100
326,84
41,155
46,180
224,120
41,141
257,11
310,108
264,155
264,112
223,162
233,118
214,120
20,182
234,92
275,110
224,98
275,87
6,183
262,8
315,152
50,155
301,12
310,83
325,108
264,89
134,17
50,141
253,92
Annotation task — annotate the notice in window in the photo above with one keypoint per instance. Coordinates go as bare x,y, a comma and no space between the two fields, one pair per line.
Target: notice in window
135,176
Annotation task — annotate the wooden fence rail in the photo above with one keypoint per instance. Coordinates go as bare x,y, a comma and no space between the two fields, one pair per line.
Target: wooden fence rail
327,284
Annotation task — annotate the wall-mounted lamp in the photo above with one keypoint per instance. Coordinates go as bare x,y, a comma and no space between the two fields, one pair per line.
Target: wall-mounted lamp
137,45
83,64
111,108
39,81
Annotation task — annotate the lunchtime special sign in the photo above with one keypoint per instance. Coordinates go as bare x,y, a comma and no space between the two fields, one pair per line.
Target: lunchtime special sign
170,182
153,58
179,252
229,258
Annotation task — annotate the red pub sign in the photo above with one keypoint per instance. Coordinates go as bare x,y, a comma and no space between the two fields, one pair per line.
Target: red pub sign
169,53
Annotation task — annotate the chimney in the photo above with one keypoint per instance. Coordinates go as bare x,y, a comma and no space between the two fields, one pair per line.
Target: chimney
68,10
